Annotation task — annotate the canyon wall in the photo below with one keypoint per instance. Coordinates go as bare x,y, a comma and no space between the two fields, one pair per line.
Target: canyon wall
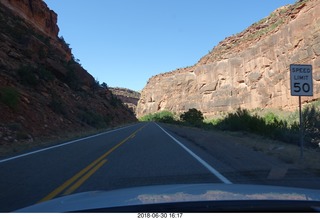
129,97
36,13
46,95
248,70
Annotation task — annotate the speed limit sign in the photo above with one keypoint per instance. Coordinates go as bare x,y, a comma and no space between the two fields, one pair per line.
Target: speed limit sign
301,80
301,85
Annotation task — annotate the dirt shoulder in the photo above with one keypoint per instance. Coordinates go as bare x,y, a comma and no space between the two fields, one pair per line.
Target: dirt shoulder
283,152
255,156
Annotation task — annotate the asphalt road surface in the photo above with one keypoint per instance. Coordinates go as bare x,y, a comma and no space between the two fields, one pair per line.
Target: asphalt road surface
136,155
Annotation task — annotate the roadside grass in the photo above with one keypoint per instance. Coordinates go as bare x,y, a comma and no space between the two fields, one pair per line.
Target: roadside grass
286,152
275,132
269,125
282,126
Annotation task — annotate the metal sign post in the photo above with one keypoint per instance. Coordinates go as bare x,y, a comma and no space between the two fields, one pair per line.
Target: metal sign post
301,85
301,130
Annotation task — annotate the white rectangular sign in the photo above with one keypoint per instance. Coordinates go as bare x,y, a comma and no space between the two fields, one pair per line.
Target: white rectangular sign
301,80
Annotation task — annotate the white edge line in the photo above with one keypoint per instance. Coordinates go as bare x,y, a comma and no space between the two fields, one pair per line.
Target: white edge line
205,164
62,144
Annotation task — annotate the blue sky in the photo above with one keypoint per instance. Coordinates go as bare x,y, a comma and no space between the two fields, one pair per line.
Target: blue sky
125,42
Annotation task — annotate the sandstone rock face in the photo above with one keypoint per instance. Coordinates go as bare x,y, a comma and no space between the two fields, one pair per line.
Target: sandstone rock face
37,13
249,70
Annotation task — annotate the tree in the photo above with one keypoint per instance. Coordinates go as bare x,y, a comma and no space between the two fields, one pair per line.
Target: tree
95,85
192,116
104,85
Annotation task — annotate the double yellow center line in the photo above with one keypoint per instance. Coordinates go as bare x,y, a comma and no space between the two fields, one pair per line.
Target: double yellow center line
77,180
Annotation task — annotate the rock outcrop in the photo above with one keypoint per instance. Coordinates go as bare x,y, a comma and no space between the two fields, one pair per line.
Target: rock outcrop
129,97
36,13
248,70
44,93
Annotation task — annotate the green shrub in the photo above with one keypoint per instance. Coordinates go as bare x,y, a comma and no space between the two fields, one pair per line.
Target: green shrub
62,40
163,116
93,118
15,126
22,135
95,85
32,76
311,124
104,85
241,120
46,75
271,126
192,116
56,104
72,80
28,76
115,101
9,96
146,118
270,118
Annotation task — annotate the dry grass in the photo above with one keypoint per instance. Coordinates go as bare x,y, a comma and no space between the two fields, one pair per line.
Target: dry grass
289,153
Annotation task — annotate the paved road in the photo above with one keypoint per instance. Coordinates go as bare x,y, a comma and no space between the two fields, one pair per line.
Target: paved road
137,155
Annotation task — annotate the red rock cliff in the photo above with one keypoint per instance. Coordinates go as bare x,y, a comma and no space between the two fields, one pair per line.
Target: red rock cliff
249,70
37,13
44,93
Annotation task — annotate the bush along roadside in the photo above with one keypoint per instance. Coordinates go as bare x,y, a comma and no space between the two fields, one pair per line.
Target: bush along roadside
163,116
269,125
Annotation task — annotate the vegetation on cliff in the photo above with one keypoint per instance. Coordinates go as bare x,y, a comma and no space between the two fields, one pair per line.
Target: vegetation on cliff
45,94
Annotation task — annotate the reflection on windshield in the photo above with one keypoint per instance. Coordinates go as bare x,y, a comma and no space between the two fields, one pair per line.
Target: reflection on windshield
218,195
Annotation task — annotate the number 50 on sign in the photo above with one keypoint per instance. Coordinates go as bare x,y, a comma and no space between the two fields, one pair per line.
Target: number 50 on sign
301,80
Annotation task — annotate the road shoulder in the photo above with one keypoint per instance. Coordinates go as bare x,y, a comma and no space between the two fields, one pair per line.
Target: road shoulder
255,156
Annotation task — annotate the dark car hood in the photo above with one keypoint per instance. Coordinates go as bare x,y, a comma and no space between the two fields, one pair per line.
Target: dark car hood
171,194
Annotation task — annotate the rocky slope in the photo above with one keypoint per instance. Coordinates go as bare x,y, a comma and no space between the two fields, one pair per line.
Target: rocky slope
247,70
129,97
35,13
44,92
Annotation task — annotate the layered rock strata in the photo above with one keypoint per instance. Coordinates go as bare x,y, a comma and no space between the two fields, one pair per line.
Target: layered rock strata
248,70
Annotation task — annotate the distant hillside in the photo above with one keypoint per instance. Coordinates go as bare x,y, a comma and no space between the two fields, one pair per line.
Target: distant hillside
44,92
127,96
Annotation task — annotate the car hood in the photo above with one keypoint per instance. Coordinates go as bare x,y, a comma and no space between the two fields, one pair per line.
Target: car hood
171,194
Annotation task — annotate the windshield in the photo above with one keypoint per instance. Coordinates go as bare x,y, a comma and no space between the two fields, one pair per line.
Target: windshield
111,95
